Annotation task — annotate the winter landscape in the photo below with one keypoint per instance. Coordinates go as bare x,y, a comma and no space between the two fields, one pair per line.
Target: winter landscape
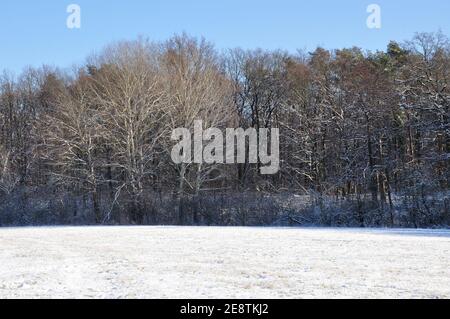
189,262
225,149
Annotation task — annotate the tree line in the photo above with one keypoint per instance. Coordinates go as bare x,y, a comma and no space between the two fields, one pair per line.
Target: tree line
364,136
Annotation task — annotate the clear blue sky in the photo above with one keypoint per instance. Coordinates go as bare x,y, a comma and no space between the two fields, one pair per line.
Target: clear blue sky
35,32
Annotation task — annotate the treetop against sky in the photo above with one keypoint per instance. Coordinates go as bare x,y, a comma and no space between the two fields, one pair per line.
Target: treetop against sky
38,32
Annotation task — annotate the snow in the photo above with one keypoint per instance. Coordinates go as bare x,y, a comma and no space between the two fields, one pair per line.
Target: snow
190,262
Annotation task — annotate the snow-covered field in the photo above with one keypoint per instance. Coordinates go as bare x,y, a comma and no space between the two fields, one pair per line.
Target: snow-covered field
189,262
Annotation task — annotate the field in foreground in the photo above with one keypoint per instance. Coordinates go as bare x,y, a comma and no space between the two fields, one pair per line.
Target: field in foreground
189,262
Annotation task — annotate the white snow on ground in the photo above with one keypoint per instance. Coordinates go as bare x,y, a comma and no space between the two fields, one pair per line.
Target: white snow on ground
189,262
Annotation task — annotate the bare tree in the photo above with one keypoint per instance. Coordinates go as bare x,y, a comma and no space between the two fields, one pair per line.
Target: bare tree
127,91
196,90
